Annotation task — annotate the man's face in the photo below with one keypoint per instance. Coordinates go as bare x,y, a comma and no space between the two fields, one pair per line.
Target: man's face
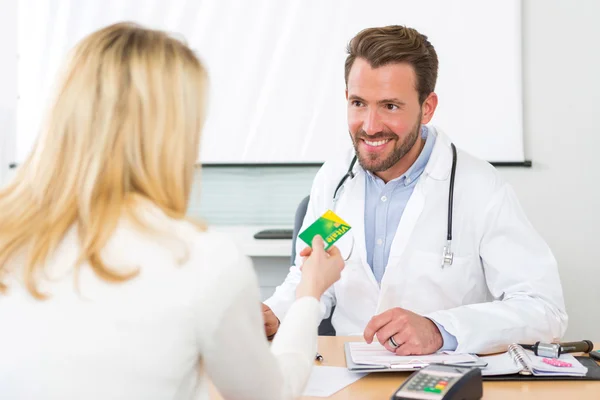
384,114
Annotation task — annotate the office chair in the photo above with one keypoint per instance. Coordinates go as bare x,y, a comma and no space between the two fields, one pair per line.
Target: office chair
325,328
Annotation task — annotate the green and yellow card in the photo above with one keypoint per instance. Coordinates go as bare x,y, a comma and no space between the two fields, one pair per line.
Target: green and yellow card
329,226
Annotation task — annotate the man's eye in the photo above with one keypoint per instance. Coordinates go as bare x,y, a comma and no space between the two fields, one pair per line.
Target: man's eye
357,103
391,107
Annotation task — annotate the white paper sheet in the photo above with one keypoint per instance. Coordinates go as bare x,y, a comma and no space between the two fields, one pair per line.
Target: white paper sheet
325,381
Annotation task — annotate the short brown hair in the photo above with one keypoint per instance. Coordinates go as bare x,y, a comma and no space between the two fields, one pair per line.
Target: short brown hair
396,44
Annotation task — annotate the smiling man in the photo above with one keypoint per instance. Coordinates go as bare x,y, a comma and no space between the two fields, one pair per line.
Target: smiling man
498,283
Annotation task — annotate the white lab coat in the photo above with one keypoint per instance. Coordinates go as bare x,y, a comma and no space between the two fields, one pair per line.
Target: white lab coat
503,286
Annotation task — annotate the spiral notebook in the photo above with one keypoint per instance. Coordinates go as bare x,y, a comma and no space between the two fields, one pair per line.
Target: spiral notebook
517,360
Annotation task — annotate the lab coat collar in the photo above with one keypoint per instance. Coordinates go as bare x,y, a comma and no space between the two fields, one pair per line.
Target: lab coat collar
440,162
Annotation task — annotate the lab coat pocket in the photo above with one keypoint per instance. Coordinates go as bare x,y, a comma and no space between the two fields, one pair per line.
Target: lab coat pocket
353,272
355,278
431,287
355,292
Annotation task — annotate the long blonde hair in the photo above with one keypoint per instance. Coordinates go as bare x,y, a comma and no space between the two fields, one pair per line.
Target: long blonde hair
124,126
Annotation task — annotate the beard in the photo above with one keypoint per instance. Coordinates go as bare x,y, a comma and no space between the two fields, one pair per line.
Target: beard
376,163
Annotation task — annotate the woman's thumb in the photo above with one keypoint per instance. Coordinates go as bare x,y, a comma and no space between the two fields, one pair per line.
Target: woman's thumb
317,243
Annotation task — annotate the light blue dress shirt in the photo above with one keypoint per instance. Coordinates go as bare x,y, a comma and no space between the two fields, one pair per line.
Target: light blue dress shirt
384,205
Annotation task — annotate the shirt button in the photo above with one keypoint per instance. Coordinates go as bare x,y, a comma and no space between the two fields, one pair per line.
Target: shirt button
383,198
379,242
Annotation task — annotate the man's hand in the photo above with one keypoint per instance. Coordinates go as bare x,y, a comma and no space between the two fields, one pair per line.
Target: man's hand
271,321
413,333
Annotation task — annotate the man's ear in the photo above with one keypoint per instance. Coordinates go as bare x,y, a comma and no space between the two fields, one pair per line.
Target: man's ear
428,108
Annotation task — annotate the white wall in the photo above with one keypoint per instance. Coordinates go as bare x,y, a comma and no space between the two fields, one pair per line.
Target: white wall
8,84
561,193
293,52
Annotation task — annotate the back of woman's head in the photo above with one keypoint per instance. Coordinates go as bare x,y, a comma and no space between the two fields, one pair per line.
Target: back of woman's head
123,127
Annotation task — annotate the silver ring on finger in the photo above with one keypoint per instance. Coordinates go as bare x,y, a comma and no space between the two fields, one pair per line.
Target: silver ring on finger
393,342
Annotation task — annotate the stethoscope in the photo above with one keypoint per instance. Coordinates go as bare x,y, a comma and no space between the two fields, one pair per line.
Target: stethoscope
447,255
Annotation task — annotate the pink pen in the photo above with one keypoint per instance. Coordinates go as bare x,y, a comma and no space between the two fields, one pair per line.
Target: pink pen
557,363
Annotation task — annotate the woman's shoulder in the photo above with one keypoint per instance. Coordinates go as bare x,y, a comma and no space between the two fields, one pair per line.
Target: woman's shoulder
202,249
216,250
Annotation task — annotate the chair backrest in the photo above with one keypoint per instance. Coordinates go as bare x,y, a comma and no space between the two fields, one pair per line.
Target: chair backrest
298,220
325,328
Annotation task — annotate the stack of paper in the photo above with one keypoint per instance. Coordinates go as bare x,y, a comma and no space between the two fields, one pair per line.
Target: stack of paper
376,354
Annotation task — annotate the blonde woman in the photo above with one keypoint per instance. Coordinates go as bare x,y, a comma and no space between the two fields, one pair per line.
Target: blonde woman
107,292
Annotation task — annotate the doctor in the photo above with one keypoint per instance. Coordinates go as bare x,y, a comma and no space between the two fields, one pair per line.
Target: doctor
502,285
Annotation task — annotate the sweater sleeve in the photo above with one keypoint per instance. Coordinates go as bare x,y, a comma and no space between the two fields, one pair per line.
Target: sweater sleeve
236,353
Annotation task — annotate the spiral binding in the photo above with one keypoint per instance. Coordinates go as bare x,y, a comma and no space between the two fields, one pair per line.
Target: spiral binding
518,354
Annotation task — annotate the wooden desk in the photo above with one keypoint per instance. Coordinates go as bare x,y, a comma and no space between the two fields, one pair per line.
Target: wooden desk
381,385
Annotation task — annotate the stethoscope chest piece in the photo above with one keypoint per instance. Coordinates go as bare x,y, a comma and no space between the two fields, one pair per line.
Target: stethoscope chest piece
448,255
